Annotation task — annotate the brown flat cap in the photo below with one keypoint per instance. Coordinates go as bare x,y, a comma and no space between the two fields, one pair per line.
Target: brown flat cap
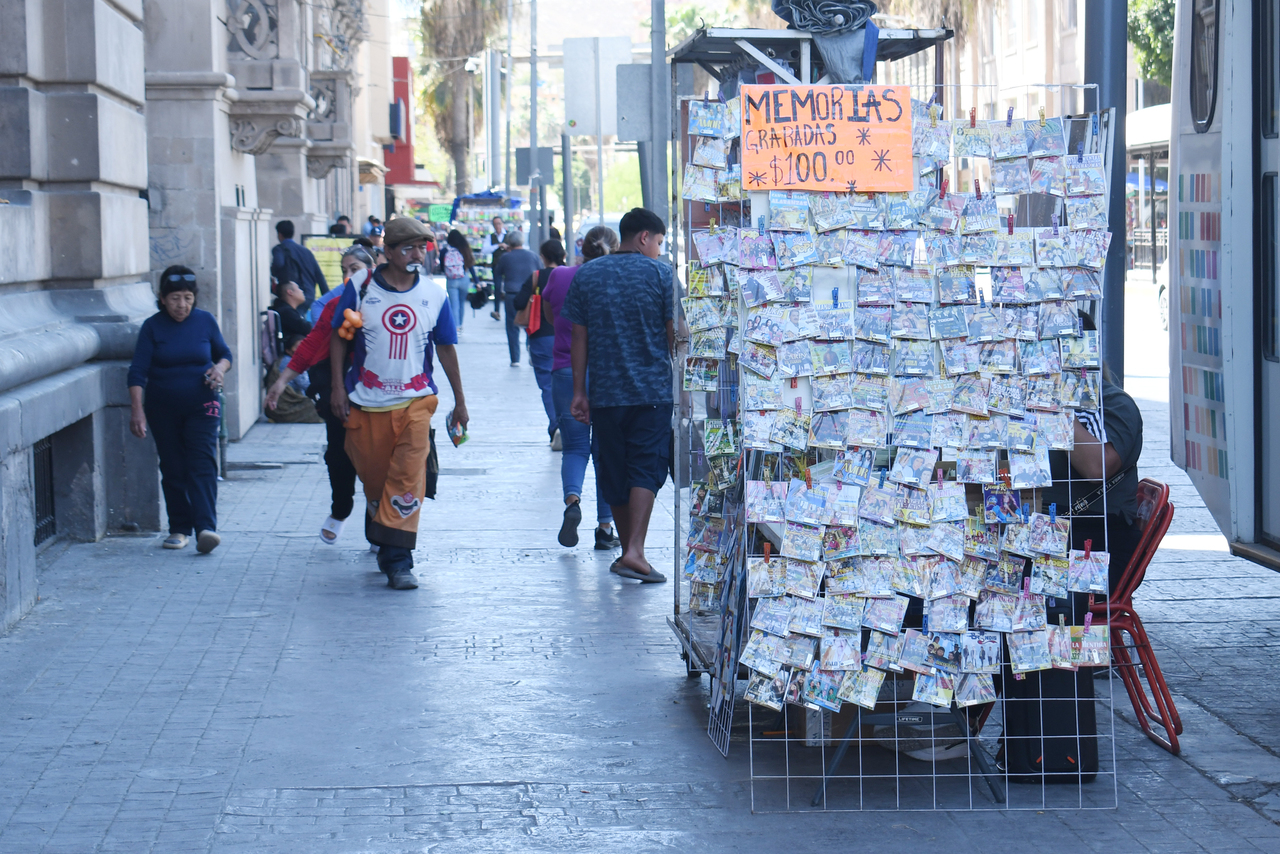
403,229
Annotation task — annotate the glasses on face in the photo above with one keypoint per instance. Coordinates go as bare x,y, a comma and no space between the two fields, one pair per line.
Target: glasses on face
180,277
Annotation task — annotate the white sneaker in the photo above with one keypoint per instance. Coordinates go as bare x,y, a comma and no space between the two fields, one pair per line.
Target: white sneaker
556,443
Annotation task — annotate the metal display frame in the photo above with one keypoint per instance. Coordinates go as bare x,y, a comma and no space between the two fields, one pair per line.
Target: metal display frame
800,759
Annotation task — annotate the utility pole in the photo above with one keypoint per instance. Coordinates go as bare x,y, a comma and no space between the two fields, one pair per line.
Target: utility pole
535,181
1106,40
660,106
506,88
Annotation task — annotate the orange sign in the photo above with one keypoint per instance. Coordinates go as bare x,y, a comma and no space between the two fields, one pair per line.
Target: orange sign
839,138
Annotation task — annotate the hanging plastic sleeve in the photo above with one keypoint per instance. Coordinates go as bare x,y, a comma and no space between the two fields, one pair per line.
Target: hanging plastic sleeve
1008,120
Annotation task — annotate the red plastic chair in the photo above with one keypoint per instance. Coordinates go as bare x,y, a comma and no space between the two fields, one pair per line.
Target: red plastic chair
1152,703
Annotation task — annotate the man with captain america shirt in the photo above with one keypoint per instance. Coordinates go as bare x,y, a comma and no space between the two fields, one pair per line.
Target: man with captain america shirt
387,394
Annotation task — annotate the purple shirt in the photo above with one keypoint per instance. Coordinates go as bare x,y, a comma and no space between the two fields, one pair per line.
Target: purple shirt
553,294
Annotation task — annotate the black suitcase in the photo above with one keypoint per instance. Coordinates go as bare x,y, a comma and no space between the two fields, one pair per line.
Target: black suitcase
1050,727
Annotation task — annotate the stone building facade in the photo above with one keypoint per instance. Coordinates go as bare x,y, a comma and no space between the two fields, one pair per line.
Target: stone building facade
135,134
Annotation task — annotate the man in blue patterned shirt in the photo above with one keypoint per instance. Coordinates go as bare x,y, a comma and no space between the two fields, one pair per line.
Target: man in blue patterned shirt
621,309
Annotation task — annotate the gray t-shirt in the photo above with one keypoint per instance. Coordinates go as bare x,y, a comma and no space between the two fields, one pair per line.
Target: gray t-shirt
1121,426
513,268
624,301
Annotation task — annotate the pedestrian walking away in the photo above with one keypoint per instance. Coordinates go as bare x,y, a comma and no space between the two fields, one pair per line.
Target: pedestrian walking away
459,267
541,339
623,338
293,262
178,367
577,442
312,358
509,273
395,318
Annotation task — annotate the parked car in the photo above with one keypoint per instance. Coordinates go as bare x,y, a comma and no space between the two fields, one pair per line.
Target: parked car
1162,293
610,219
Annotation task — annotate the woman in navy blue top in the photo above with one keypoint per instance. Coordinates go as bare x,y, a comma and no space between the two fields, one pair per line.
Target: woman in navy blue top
180,360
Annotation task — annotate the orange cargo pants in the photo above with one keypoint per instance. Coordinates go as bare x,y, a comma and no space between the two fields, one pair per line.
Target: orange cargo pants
389,451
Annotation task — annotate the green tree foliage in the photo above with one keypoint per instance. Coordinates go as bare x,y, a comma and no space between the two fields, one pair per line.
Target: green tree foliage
452,32
1151,34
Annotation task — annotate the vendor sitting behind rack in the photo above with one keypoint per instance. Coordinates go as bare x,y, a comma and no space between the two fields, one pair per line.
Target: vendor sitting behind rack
1107,444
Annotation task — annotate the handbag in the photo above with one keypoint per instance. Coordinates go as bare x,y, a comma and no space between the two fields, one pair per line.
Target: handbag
530,316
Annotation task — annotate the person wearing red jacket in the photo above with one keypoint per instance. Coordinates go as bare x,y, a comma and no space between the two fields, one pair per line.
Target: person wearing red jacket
312,356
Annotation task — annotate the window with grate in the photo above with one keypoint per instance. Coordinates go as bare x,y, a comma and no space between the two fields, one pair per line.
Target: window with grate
42,478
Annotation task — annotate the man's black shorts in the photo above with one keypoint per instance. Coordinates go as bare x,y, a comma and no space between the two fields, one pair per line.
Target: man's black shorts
634,449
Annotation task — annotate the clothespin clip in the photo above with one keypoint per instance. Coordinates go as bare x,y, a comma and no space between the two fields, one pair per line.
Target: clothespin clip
768,550
1008,121
982,300
706,207
795,383
712,227
1026,512
1079,152
883,474
1083,377
1004,476
933,117
760,223
1093,124
924,623
799,409
977,188
939,476
706,97
1055,225
1088,549
1011,224
1026,588
1042,117
835,297
1062,621
808,479
973,117
1088,620
1053,513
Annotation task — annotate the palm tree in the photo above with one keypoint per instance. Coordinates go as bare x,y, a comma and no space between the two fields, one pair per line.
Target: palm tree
453,31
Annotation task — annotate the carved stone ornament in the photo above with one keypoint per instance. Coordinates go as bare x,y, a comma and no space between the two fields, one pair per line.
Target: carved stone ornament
252,24
322,92
254,135
318,167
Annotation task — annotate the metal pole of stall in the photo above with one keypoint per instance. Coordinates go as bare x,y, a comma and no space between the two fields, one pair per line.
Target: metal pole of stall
1106,42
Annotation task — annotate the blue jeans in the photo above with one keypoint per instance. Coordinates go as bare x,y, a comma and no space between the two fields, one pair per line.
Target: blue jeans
457,289
577,441
513,331
540,355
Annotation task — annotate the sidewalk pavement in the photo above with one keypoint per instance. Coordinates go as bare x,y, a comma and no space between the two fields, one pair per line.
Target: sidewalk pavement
276,696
